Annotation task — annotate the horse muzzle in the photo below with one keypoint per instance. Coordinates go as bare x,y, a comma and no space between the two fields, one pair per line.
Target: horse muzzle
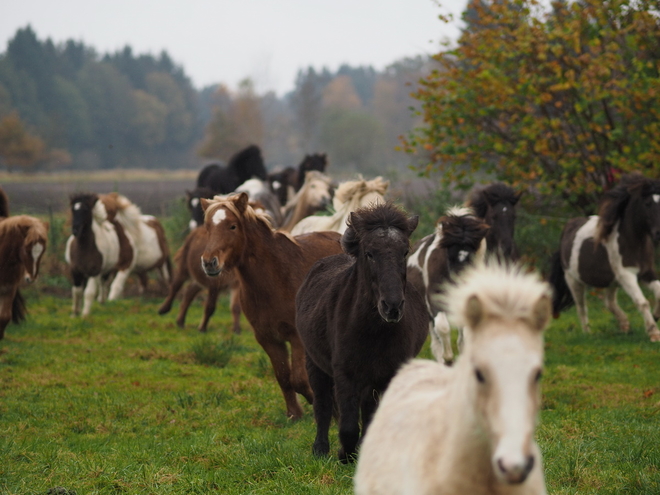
515,473
391,312
212,268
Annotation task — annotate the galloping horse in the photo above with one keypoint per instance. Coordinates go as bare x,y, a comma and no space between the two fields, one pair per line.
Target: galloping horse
315,195
459,240
359,320
285,183
270,267
468,429
23,241
496,205
615,247
97,249
348,197
195,206
188,267
244,165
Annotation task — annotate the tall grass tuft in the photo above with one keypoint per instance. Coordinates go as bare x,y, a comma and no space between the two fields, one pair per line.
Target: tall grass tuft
207,352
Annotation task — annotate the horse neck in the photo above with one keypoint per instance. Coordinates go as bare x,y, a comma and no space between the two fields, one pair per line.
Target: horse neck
12,242
627,224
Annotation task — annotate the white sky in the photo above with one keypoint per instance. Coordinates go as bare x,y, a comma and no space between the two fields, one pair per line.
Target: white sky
224,41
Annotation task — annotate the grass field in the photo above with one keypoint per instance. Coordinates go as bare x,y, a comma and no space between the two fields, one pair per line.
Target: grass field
126,402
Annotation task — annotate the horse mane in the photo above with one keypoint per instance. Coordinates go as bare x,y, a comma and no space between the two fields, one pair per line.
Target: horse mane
615,201
497,192
366,220
256,215
205,172
505,291
124,211
248,163
461,226
37,230
4,204
355,190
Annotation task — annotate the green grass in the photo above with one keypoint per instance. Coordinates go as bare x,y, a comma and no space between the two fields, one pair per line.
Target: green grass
126,402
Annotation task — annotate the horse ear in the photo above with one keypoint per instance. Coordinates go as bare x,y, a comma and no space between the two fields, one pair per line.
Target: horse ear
474,312
541,313
205,203
412,223
242,202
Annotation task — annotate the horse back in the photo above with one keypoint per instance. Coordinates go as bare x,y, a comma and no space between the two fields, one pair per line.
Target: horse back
317,245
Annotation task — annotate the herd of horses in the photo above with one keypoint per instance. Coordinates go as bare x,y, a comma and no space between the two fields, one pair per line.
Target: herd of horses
342,304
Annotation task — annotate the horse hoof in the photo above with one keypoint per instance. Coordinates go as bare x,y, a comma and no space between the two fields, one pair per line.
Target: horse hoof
655,337
163,310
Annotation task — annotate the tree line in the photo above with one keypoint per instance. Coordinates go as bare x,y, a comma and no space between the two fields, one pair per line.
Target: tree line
65,106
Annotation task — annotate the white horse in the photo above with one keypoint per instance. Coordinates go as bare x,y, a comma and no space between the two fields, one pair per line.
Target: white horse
349,196
468,429
315,195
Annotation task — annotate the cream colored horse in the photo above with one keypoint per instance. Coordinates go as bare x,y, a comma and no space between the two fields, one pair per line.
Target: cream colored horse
315,195
468,429
349,196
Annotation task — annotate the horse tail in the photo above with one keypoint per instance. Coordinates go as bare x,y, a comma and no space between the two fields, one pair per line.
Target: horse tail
562,298
18,308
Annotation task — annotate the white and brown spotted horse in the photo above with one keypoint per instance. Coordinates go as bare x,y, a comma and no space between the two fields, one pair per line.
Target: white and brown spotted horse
459,240
614,248
23,241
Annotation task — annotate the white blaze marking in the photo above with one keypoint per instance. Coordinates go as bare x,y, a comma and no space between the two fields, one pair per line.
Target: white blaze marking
656,198
37,249
194,202
77,206
504,209
219,216
462,255
192,225
276,184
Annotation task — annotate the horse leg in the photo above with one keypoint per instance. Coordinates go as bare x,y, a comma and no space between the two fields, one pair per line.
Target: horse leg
299,378
441,339
279,358
5,312
323,387
209,307
349,418
578,290
236,310
117,287
144,282
188,295
103,288
180,278
368,406
77,292
654,286
612,304
628,281
90,292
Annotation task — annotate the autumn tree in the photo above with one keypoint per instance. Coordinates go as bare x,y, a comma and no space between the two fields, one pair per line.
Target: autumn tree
561,101
19,148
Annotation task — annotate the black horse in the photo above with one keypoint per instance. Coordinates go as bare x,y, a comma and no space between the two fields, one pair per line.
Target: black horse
244,165
496,205
293,178
359,320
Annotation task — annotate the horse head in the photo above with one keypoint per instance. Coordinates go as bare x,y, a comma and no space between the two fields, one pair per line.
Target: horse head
379,238
495,204
463,238
34,246
504,311
194,205
85,208
225,225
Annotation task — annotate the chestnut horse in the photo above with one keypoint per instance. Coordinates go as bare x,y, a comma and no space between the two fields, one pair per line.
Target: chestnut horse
23,241
270,267
188,267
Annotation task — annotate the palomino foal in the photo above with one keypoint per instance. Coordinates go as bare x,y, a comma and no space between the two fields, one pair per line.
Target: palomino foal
468,429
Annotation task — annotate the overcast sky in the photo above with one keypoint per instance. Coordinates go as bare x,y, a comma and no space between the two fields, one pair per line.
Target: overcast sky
228,40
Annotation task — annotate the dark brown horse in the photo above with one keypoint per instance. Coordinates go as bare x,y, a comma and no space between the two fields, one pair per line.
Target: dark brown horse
270,266
614,248
4,204
496,205
458,241
188,267
359,320
23,241
285,183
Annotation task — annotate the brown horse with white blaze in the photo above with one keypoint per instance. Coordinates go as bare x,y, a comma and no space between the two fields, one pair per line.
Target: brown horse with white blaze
270,267
23,241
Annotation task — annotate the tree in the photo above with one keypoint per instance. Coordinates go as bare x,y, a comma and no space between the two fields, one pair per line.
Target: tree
18,148
561,102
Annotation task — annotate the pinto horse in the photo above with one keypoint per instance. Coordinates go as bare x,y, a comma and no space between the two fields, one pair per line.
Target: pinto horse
23,241
496,205
188,267
459,240
611,249
97,249
270,267
468,429
359,320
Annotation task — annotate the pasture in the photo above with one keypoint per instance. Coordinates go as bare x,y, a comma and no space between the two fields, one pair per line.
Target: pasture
126,402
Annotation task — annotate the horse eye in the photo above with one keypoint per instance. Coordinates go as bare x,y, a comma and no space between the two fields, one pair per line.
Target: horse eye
480,376
369,256
233,227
